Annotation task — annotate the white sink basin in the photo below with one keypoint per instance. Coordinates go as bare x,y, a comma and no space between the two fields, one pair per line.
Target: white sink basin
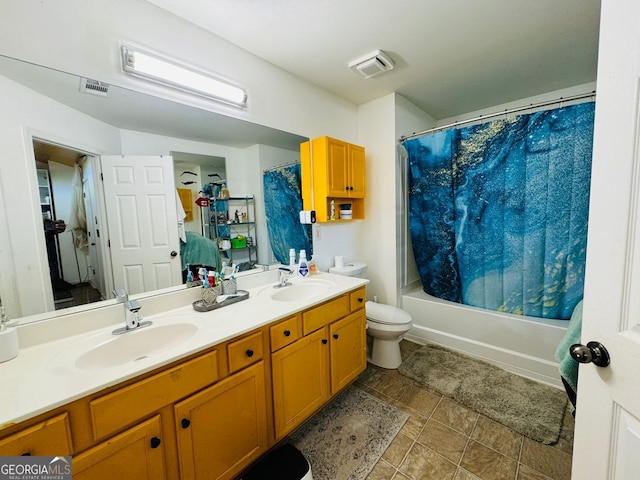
298,291
133,346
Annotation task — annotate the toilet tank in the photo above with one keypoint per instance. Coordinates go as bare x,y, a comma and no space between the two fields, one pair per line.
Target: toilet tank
351,269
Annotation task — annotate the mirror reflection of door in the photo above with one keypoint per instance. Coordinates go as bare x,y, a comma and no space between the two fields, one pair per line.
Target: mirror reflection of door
70,226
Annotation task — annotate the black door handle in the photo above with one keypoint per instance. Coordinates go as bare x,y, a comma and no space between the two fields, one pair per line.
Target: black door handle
594,353
185,422
155,442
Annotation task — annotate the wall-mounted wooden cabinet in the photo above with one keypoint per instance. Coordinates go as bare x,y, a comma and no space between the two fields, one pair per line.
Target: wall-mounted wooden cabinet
332,170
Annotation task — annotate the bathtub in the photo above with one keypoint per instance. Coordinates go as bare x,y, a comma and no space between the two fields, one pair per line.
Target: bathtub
522,345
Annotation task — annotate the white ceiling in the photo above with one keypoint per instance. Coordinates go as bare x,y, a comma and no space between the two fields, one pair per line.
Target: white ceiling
451,56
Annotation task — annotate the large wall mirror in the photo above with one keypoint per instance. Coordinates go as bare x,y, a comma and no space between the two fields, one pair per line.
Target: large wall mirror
204,147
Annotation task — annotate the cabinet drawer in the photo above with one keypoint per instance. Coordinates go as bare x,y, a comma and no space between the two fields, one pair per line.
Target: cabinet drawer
51,437
136,453
324,314
129,404
244,352
284,333
357,299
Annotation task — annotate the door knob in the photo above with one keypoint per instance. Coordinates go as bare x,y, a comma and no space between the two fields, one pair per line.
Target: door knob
594,353
174,253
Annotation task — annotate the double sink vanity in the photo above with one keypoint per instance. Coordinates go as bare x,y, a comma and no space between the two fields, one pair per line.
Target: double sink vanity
193,395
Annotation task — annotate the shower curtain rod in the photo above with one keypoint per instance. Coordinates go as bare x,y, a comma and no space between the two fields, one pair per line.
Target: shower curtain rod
497,114
279,166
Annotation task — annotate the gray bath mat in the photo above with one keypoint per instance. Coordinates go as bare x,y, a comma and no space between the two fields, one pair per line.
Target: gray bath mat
528,407
347,438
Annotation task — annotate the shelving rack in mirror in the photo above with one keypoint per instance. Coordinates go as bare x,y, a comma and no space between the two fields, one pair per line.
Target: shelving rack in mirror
233,226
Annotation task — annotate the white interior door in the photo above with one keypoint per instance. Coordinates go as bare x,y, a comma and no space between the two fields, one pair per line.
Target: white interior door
95,267
140,200
607,436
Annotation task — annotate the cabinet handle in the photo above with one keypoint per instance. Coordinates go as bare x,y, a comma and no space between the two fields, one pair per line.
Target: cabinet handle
287,333
350,188
324,341
185,422
335,335
346,188
26,454
249,353
360,299
155,442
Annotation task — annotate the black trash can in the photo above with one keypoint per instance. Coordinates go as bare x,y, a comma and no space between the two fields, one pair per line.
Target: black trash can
284,463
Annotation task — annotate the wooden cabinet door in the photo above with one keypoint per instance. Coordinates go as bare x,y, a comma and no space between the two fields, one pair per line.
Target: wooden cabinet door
348,350
356,172
337,171
223,428
50,437
136,454
300,380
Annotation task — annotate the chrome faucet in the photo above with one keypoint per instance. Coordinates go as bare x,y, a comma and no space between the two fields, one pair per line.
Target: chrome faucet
283,275
132,317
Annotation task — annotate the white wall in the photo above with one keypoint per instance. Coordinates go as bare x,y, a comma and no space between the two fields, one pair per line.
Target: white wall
23,258
550,96
381,236
377,234
84,37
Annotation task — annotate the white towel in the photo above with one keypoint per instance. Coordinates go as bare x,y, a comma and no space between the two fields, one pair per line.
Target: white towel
181,216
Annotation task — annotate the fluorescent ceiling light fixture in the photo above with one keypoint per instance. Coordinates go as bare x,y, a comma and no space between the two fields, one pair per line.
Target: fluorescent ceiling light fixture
165,72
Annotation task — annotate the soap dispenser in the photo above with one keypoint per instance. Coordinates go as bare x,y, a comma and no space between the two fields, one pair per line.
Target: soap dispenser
8,338
303,267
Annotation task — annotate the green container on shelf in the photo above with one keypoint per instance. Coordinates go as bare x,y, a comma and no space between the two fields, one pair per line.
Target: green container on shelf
239,242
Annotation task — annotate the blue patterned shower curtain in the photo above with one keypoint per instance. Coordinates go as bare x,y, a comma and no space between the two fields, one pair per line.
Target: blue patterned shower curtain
498,212
282,203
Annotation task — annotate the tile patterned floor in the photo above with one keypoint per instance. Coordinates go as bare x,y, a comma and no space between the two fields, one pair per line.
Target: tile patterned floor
442,440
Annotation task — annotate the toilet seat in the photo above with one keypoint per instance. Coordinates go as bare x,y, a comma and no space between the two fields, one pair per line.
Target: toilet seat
386,314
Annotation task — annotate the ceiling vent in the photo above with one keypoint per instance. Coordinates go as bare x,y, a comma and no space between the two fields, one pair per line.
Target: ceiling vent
94,87
372,64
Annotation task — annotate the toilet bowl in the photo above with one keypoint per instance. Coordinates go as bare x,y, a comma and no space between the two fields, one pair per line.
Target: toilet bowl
386,324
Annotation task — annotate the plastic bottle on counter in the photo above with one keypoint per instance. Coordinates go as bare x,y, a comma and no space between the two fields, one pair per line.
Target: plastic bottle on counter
313,268
292,257
303,267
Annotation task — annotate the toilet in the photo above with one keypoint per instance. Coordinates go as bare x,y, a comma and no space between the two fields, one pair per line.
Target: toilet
386,324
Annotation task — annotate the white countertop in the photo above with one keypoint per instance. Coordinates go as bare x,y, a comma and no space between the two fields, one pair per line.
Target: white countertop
44,376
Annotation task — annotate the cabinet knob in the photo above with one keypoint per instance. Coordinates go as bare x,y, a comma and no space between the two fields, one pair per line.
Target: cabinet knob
287,333
155,442
346,188
324,341
185,422
360,299
26,454
249,353
335,335
350,188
